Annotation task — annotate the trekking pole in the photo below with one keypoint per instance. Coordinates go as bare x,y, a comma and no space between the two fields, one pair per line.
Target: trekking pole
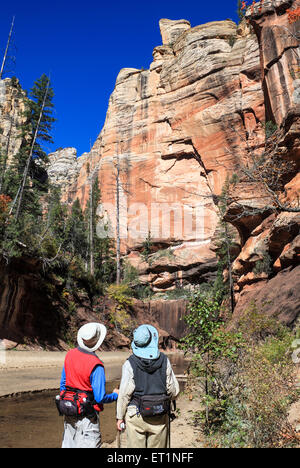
171,418
119,436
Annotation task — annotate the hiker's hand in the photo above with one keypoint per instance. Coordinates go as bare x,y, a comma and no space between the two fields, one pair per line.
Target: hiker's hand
119,422
116,390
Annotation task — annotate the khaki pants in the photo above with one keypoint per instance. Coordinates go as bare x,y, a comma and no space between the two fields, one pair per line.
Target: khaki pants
81,433
146,432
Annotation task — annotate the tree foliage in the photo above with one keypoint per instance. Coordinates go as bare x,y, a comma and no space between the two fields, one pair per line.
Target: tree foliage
34,222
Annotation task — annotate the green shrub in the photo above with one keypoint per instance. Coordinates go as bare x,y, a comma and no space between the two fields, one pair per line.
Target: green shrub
270,128
264,265
130,274
247,384
120,317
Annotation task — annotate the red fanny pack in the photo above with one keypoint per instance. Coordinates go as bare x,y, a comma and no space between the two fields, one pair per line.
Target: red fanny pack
73,402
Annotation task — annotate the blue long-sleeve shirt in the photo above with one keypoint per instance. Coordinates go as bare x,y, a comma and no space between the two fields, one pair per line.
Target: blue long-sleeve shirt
98,382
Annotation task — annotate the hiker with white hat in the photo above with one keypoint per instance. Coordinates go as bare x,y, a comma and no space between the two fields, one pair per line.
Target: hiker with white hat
82,390
147,387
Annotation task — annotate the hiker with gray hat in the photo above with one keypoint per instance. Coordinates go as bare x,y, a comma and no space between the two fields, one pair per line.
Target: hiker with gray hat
82,390
148,385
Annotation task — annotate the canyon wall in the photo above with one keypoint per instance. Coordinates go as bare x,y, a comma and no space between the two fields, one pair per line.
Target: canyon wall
27,310
63,169
266,271
170,139
174,134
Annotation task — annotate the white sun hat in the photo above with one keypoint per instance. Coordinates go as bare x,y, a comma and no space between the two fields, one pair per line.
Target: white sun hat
91,336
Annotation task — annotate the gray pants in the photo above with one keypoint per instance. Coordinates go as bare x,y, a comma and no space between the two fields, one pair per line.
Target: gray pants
81,433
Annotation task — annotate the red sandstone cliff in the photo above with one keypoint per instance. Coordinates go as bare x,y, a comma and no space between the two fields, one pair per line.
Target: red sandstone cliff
266,269
173,129
176,131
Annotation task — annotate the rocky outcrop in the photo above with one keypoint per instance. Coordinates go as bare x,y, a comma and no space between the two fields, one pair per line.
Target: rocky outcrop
63,170
166,315
279,50
266,271
12,117
278,297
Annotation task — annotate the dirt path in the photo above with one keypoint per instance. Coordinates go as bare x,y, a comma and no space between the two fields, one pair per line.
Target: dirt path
183,433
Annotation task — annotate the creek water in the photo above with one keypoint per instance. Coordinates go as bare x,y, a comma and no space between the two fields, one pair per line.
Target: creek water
32,421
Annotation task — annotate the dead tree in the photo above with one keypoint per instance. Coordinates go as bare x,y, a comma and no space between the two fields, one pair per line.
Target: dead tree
7,48
6,152
91,219
118,188
29,159
118,220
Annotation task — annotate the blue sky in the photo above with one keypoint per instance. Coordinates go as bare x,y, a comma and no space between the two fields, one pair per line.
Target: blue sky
85,44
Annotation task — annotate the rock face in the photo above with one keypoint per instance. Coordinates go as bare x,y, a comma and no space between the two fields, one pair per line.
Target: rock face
166,315
172,134
278,297
279,56
172,30
270,238
25,308
63,170
12,108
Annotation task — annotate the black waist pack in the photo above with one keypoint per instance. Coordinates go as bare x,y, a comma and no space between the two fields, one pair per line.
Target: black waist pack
153,405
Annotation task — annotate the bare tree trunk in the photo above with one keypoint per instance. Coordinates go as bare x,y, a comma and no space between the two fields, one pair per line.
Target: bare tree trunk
118,223
7,47
3,169
26,170
229,270
91,223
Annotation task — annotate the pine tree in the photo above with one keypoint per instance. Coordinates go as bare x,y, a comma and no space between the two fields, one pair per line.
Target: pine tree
53,239
92,219
76,232
42,119
224,250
